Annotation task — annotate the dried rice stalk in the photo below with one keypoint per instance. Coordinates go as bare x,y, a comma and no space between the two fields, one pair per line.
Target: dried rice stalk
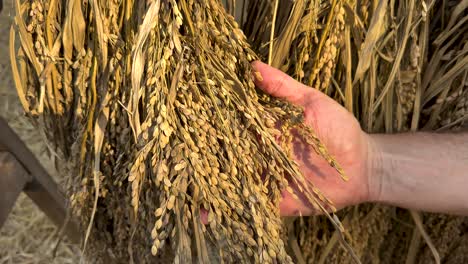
397,66
154,110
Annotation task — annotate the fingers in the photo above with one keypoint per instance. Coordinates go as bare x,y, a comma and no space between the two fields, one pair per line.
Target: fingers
289,206
204,216
279,84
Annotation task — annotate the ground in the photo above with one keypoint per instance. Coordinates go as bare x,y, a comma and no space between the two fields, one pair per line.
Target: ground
28,236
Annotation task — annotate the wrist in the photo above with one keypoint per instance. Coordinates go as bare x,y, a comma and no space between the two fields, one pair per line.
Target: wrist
375,168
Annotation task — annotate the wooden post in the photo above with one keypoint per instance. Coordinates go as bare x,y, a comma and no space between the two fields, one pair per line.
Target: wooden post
41,188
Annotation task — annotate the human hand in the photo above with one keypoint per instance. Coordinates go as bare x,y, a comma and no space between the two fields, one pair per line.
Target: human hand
338,130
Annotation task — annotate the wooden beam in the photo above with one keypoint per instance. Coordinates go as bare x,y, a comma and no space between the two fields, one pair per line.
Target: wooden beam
41,188
13,178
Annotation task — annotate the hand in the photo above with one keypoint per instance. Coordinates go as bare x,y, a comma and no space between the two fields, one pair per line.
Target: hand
338,130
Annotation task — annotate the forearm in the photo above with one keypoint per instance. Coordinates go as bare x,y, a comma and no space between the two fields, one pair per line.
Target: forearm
420,171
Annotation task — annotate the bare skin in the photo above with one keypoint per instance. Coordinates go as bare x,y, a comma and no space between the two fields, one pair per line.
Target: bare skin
421,171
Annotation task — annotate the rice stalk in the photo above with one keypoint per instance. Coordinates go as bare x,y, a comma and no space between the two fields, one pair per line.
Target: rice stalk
154,121
156,117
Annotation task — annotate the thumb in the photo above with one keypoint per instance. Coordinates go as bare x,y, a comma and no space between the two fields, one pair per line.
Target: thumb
279,84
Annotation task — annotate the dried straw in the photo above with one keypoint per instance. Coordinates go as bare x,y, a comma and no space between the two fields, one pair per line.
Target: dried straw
154,112
152,106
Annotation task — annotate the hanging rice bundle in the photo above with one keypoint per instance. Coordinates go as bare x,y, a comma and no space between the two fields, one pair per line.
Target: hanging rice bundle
152,108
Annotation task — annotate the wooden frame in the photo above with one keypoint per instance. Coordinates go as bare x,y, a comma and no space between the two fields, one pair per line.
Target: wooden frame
21,171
